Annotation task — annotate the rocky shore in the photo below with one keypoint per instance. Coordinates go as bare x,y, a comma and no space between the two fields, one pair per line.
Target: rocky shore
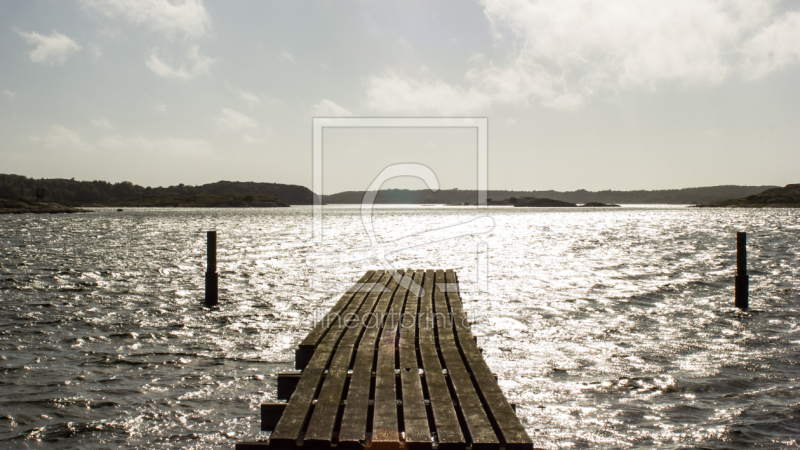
19,206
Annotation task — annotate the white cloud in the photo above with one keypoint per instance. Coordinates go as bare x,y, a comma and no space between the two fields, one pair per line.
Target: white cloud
563,53
95,50
251,99
774,47
161,107
169,145
102,123
287,56
247,139
234,120
52,50
187,17
327,108
396,93
192,65
62,138
111,33
10,95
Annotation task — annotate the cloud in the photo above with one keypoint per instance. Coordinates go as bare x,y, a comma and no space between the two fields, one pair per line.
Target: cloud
327,108
102,123
774,47
247,139
188,17
233,120
251,99
169,145
95,50
161,107
9,95
62,138
192,65
109,32
396,93
287,56
52,50
562,54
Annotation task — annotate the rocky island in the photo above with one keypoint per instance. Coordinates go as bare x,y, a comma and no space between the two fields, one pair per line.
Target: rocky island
600,205
21,206
785,197
535,202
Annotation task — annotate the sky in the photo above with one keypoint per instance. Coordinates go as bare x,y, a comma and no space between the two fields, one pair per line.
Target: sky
579,94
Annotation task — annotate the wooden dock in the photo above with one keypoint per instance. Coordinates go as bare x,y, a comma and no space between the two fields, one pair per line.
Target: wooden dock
393,365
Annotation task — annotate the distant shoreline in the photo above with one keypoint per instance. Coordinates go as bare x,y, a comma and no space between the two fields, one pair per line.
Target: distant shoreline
77,193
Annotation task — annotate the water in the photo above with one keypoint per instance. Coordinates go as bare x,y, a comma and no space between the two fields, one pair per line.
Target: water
610,328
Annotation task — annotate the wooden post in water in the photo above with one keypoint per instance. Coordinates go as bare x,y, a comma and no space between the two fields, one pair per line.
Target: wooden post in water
212,277
742,280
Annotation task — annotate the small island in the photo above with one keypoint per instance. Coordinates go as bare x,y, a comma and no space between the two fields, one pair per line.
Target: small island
599,205
536,202
785,197
22,206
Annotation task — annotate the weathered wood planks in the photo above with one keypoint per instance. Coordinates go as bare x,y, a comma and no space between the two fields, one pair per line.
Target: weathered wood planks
396,365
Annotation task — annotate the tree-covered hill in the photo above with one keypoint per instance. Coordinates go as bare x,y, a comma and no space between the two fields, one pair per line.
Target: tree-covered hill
73,192
208,201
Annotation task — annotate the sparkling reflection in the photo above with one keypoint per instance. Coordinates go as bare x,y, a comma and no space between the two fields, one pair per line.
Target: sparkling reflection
608,328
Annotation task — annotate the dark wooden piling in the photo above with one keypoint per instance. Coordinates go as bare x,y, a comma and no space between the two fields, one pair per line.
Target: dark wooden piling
212,277
742,280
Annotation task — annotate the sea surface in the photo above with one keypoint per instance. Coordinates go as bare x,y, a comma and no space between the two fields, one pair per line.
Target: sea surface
609,328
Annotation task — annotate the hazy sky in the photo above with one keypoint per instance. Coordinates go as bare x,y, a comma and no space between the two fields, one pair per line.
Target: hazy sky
578,94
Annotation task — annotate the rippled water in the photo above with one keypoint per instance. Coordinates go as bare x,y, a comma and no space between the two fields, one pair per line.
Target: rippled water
610,328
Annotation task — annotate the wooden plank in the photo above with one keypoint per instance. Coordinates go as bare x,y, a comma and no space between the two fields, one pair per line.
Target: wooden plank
318,332
425,325
442,314
385,424
508,427
320,433
478,426
447,427
289,430
408,319
415,414
353,430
